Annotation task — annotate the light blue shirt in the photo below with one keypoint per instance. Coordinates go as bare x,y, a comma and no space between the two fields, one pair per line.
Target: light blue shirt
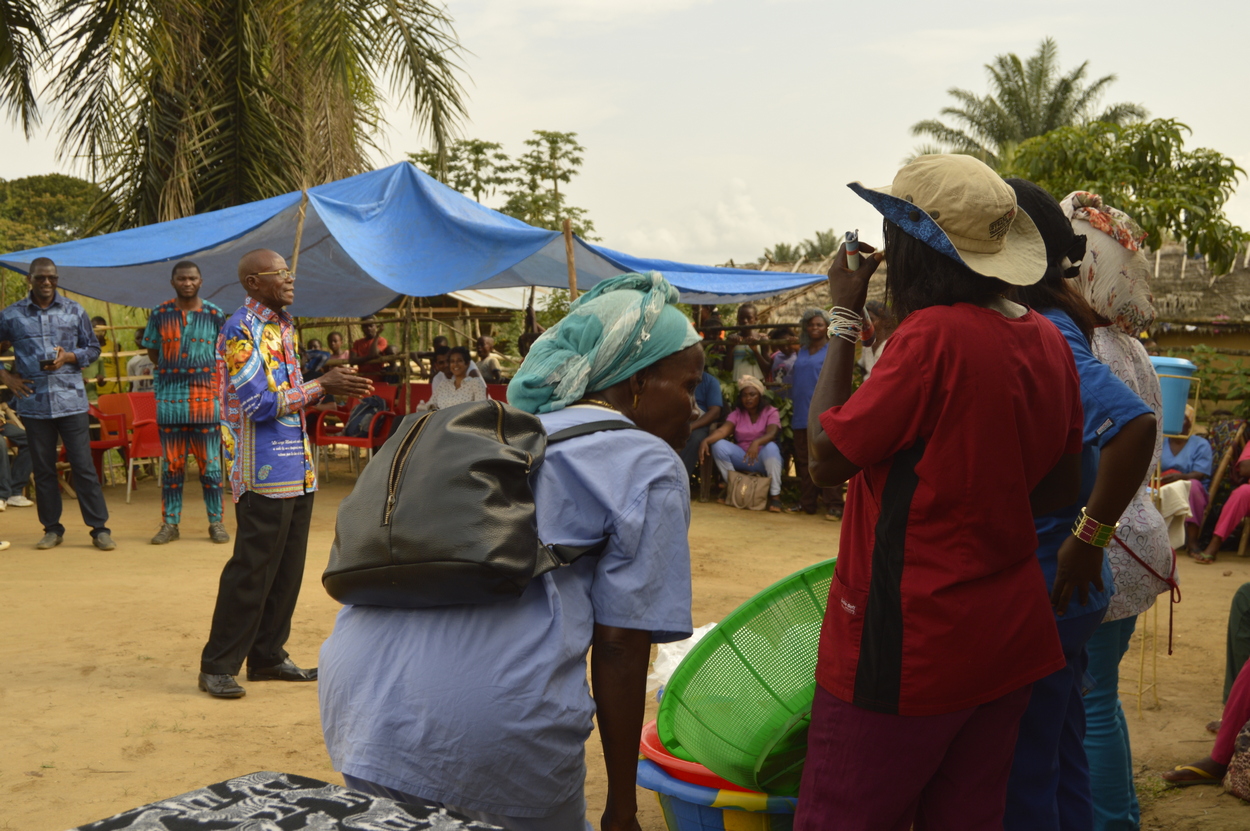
1108,405
1195,457
35,334
488,707
803,378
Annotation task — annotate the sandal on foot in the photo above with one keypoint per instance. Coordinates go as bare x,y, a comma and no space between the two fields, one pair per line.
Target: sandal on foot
1199,777
1214,726
774,504
1201,557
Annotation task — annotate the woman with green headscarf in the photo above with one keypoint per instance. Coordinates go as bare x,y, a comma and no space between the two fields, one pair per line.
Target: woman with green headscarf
486,709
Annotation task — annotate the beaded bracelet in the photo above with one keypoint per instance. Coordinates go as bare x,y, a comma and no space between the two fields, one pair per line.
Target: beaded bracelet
1087,529
845,323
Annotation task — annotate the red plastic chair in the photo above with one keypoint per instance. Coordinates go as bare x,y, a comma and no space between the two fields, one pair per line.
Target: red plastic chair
499,392
112,436
325,433
145,436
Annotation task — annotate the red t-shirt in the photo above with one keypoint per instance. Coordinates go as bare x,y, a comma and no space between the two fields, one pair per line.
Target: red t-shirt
939,603
361,350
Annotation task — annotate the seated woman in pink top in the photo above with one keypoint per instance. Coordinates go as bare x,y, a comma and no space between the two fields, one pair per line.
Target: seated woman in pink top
753,426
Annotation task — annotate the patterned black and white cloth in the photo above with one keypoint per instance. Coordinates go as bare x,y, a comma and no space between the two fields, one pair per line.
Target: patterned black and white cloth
268,801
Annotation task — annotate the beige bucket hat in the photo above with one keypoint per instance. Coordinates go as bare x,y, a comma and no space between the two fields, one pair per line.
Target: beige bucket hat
958,206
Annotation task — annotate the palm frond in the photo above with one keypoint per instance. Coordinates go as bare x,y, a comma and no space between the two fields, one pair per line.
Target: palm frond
22,45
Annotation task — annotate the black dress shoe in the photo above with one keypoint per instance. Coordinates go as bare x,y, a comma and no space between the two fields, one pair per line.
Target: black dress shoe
285,671
221,686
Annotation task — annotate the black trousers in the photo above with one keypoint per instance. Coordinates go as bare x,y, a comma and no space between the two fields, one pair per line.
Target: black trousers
259,585
41,435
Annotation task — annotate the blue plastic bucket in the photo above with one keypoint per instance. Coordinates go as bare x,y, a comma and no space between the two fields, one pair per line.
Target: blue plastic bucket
1175,390
690,807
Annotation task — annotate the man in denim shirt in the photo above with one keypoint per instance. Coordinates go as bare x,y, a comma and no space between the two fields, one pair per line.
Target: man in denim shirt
52,340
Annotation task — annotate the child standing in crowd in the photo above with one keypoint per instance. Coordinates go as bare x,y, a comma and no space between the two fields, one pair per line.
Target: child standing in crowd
937,622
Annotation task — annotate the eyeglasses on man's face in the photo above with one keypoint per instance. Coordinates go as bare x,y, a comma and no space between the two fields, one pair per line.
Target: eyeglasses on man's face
43,278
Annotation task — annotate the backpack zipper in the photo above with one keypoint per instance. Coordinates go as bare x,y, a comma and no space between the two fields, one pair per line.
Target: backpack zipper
397,465
499,421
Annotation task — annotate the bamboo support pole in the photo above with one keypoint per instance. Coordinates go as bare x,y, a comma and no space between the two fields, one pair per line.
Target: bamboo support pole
117,369
407,346
569,258
299,228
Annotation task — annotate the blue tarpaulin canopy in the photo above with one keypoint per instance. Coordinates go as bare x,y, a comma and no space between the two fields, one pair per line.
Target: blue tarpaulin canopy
367,240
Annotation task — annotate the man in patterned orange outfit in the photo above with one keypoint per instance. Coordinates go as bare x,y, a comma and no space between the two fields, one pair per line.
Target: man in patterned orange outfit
181,339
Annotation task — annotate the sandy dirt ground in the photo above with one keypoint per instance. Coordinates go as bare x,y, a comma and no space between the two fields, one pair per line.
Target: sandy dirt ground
99,653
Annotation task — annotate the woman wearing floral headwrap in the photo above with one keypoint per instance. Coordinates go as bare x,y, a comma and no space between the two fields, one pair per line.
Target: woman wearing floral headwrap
1112,279
486,709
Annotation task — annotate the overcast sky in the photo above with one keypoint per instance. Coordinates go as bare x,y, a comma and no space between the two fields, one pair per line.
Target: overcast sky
715,128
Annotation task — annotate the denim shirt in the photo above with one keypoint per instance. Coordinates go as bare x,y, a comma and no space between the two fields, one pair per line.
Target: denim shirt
35,334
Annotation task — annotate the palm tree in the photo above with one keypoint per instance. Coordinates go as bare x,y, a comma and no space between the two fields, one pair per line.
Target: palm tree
185,106
22,46
1028,98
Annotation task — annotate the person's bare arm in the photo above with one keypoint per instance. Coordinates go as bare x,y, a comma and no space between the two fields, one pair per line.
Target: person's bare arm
618,673
19,385
753,452
341,381
154,355
712,414
826,464
1059,488
1121,468
725,431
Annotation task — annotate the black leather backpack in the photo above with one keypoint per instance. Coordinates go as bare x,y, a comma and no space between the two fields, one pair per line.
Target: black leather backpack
444,514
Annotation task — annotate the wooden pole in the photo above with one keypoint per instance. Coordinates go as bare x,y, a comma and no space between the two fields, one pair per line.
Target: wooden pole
568,255
117,370
407,342
299,227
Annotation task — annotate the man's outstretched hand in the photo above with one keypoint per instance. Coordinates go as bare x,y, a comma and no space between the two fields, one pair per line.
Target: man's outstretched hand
344,381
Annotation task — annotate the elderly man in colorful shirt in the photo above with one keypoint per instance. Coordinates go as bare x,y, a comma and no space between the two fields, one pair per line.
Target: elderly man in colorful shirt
272,479
181,339
52,340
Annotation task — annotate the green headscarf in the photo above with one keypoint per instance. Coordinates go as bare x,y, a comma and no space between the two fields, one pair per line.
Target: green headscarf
622,325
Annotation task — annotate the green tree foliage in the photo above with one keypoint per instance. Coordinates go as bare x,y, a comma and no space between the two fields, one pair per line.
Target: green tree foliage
1027,98
41,210
535,197
531,182
825,244
1144,170
472,166
823,247
23,43
185,106
55,208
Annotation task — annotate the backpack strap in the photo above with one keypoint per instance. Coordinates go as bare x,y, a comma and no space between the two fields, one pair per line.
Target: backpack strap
588,428
568,554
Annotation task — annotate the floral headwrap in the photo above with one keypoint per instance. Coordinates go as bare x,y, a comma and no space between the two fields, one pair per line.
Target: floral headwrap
1114,273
